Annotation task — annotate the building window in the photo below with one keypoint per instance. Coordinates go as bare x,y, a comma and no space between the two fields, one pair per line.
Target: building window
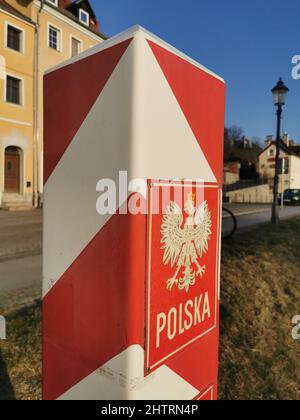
84,17
53,2
13,90
75,47
271,153
14,38
284,166
54,38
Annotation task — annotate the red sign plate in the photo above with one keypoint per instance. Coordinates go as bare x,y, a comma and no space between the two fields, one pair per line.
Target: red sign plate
182,267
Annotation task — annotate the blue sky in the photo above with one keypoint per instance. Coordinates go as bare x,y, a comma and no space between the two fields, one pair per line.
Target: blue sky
249,43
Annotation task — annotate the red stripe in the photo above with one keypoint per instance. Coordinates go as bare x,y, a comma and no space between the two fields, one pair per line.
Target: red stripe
96,310
70,93
202,100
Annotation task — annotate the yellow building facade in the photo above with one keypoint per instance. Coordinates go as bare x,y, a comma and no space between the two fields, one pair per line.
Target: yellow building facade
37,35
16,107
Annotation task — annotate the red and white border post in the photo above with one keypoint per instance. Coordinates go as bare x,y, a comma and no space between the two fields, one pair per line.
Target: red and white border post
131,299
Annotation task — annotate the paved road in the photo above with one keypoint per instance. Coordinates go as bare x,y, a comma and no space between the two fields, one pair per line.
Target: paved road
20,281
23,272
20,233
21,245
20,257
249,216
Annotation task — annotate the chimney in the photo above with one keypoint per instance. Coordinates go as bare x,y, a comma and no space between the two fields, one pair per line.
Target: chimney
269,140
286,139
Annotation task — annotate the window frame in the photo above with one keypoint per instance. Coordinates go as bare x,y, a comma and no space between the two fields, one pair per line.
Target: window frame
271,152
71,45
53,2
21,93
59,38
83,12
22,40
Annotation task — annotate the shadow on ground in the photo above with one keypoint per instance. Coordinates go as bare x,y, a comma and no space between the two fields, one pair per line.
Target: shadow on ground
6,389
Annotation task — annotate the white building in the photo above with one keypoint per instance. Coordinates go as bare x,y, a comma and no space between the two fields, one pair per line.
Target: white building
290,162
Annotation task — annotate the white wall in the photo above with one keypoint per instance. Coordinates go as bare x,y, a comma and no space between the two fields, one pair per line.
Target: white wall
295,172
257,194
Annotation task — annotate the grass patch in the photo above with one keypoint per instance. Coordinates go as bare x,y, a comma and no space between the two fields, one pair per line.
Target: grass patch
20,355
260,295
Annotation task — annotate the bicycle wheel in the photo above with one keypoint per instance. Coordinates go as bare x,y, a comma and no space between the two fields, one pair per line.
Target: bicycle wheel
229,223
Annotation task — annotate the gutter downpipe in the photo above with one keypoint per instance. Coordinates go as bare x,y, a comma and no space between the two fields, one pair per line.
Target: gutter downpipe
36,198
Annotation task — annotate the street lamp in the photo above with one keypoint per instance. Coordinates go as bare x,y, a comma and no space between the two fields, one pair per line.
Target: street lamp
279,92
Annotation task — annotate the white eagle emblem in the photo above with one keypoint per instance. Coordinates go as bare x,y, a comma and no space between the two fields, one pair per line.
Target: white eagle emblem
184,243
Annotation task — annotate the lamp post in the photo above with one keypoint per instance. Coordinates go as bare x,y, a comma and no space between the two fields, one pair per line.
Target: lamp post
279,92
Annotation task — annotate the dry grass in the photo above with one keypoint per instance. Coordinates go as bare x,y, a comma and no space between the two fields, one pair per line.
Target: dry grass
260,295
20,355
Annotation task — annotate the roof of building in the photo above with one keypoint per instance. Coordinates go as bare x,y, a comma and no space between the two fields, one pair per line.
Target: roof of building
70,8
76,4
8,8
289,150
295,149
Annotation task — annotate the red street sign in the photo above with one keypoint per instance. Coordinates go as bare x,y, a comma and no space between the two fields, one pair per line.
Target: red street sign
183,268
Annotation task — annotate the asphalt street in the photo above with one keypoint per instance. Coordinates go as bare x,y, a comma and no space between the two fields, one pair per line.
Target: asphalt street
21,246
20,257
19,273
249,217
20,234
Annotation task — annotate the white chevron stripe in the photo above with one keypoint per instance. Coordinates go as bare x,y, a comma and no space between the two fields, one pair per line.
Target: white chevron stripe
99,150
122,378
136,125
